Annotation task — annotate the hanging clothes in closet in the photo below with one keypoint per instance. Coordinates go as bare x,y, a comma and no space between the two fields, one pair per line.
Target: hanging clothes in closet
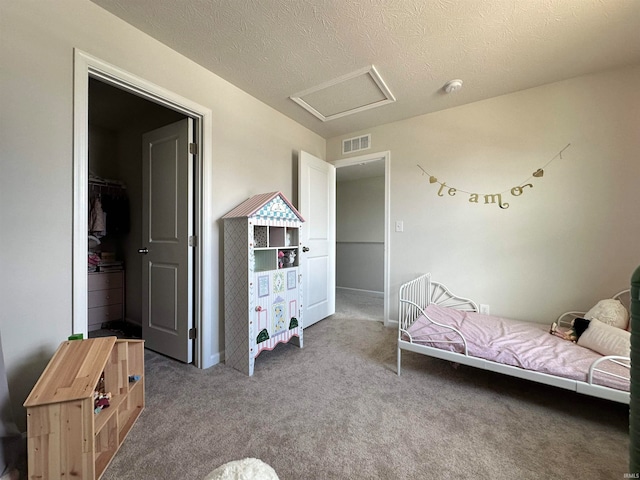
108,209
97,224
116,208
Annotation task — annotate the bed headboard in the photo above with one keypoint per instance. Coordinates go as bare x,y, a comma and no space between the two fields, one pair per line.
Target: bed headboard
625,298
421,292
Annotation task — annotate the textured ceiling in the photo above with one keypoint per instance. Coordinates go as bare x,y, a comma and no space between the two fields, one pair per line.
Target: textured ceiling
274,49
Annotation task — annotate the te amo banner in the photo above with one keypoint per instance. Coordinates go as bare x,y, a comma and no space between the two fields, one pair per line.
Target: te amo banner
491,198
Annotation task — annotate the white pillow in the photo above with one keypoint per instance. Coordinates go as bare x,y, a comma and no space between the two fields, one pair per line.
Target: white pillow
611,312
605,339
245,469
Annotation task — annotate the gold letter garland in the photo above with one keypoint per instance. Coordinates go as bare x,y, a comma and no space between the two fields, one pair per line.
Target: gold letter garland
491,198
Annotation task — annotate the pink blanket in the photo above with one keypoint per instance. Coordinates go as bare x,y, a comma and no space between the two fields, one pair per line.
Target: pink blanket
520,344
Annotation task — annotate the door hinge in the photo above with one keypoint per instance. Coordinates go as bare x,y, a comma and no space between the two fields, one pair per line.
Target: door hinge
192,333
193,241
193,148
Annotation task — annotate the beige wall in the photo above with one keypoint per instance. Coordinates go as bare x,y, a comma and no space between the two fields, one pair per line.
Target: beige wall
360,210
103,148
253,152
360,234
562,245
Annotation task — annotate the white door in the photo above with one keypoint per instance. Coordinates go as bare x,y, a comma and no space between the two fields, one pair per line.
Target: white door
317,204
167,192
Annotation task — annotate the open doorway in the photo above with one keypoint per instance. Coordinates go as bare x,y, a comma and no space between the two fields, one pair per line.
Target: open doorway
117,121
362,200
203,336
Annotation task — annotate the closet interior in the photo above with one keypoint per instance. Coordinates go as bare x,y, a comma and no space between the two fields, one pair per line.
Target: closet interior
109,225
117,121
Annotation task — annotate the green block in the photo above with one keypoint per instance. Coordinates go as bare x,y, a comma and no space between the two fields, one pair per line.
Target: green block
75,336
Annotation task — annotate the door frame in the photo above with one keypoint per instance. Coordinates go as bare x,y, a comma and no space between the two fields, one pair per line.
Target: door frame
85,66
372,157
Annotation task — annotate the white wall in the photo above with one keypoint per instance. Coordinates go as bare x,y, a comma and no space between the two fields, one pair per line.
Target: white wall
360,234
253,146
566,243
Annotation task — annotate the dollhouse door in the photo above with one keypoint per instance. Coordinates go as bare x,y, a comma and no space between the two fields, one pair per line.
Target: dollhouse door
317,204
167,223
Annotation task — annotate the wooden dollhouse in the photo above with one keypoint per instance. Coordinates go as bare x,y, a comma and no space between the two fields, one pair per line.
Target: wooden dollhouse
262,278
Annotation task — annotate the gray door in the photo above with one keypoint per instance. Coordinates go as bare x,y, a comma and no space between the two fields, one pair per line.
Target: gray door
167,217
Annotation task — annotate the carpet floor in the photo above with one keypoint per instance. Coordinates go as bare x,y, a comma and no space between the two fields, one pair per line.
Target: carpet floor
337,410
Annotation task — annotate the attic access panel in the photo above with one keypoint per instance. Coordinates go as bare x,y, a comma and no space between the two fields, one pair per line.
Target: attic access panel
346,95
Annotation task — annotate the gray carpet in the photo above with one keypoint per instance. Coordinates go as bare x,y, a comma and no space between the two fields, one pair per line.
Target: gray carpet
359,305
337,410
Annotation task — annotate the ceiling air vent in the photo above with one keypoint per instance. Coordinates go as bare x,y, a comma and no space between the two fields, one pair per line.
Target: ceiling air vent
356,144
346,95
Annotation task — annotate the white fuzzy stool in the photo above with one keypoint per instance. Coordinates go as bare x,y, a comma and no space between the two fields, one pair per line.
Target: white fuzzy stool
245,469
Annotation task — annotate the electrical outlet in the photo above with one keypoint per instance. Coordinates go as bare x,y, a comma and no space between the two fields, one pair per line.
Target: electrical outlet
484,309
399,226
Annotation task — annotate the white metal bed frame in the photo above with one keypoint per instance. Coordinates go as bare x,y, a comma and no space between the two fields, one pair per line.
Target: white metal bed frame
422,291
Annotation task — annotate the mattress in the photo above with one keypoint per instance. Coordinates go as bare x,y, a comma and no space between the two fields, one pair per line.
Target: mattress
520,344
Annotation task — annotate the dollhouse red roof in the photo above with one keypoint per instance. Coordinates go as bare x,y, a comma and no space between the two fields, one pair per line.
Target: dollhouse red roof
255,204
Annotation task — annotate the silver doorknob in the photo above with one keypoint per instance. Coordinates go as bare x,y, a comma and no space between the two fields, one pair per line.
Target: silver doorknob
143,250
305,249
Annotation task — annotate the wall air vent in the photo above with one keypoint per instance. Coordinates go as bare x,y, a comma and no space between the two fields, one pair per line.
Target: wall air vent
356,144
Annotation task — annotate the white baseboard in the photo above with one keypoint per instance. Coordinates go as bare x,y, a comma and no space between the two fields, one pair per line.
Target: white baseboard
212,360
371,293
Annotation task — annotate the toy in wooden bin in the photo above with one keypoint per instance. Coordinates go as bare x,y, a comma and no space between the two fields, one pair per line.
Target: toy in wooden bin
101,399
